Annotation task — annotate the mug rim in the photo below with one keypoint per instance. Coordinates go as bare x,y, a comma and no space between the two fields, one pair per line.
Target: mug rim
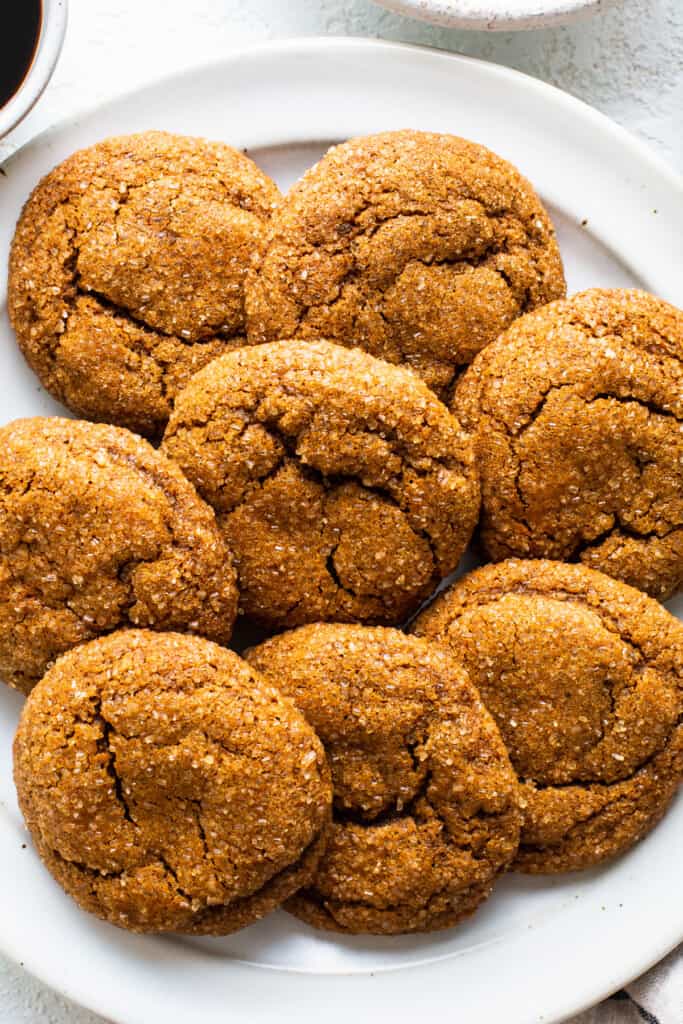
49,45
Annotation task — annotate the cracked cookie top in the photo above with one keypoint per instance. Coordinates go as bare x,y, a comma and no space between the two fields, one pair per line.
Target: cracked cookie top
584,677
425,800
578,417
167,786
127,271
419,248
97,531
345,489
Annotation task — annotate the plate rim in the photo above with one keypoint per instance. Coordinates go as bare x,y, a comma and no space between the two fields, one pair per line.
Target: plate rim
319,46
315,43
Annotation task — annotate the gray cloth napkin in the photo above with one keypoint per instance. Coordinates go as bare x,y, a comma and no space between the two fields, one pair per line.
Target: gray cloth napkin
656,998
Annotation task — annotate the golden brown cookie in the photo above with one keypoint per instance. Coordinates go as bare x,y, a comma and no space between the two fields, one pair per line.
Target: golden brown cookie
426,804
579,414
127,271
167,786
583,675
419,248
98,531
344,488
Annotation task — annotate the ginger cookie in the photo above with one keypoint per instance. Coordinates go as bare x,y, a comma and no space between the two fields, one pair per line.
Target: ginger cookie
583,676
127,271
578,410
98,531
167,786
344,488
426,809
420,248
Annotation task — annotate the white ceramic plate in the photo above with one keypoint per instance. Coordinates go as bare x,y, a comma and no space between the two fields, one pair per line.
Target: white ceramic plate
540,949
496,15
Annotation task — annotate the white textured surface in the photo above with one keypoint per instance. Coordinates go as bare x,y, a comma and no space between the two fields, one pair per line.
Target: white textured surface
628,62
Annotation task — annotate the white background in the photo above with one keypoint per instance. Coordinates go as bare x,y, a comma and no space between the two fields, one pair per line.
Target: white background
628,62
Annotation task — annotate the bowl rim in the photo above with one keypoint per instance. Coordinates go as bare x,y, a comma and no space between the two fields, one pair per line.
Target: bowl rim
49,46
482,14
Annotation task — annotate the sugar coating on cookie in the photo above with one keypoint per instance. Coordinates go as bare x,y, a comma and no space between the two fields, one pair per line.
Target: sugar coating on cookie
578,413
420,248
583,675
97,531
425,800
127,271
167,786
345,489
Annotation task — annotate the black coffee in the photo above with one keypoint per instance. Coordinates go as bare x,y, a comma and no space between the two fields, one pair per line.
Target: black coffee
19,31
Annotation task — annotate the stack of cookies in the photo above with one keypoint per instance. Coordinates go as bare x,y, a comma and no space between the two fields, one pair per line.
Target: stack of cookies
296,413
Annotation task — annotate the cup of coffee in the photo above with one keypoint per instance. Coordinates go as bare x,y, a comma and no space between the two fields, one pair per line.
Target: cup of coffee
30,41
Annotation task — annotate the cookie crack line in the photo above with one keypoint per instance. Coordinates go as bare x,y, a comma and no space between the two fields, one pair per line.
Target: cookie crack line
613,797
390,491
232,195
215,910
388,908
347,816
573,318
153,856
172,873
97,874
262,891
332,481
123,313
166,486
222,743
652,408
506,227
197,808
104,746
334,575
345,235
251,415
412,811
389,435
592,784
345,228
121,569
356,274
329,906
492,595
621,529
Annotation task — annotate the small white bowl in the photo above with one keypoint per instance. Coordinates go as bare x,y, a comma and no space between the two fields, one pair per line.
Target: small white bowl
496,15
52,28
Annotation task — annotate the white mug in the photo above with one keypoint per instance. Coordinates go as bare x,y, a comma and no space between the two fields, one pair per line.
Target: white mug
48,47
